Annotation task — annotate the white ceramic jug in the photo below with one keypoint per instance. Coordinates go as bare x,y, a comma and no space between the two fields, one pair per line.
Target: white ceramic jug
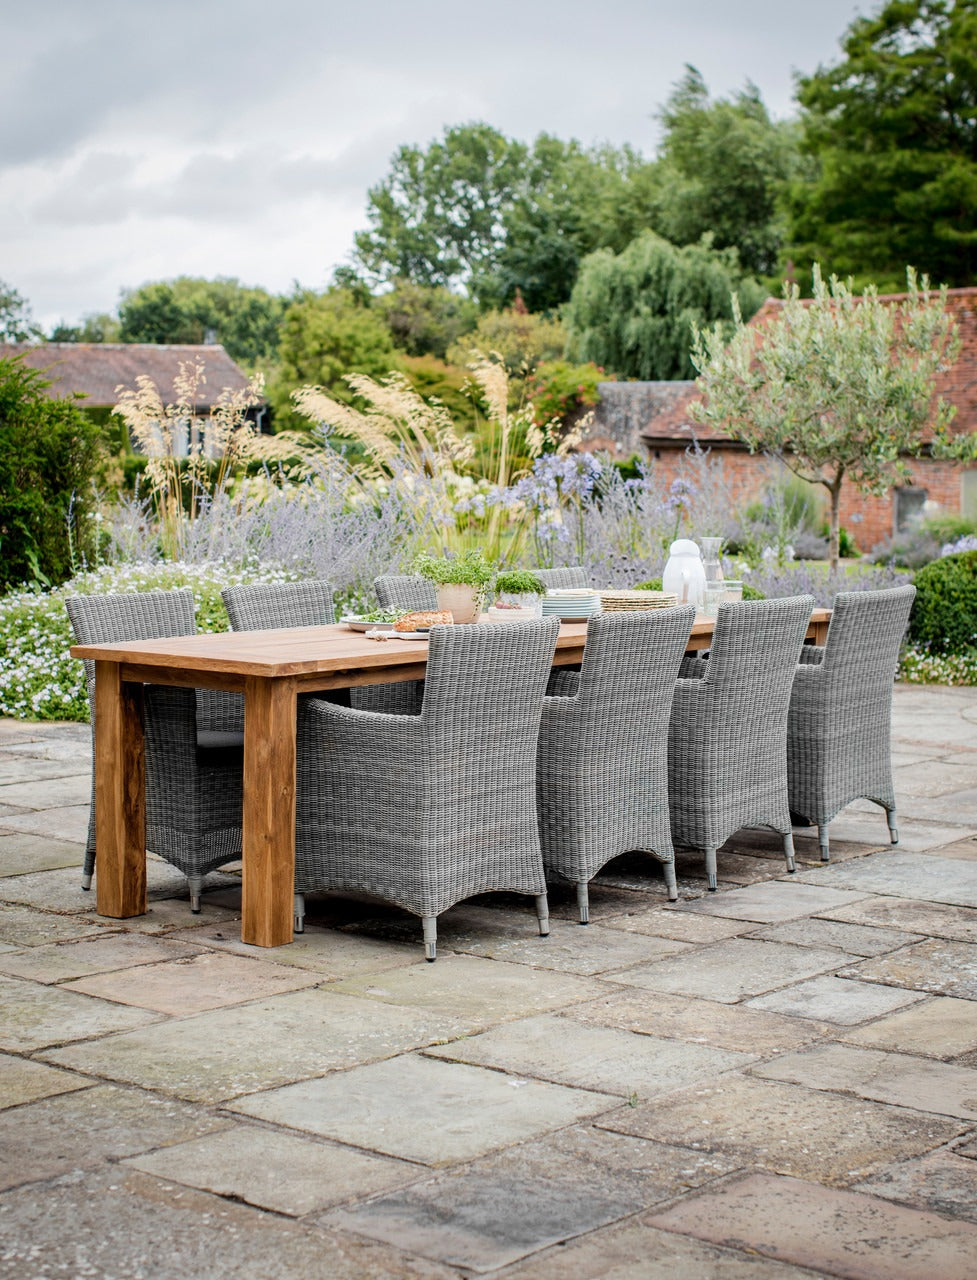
684,573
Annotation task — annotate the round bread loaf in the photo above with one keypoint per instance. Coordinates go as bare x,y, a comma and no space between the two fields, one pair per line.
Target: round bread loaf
423,618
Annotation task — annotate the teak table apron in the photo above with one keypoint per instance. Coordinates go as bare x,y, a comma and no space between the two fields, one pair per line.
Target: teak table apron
271,668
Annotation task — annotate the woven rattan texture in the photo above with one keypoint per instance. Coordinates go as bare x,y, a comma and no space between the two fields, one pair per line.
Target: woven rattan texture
426,810
727,755
838,743
602,770
193,791
572,576
405,591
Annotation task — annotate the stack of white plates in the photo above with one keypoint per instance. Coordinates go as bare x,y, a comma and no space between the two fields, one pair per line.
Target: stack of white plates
618,601
572,604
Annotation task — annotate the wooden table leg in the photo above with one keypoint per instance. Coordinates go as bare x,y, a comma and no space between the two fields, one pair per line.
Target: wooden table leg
120,795
269,812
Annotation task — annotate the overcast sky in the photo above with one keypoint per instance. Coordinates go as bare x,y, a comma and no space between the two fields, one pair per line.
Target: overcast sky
141,141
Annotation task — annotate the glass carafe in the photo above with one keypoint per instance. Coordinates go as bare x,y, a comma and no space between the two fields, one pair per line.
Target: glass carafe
711,548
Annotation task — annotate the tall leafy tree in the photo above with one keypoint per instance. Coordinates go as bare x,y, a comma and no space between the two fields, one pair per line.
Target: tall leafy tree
893,130
188,309
723,166
841,387
16,321
634,312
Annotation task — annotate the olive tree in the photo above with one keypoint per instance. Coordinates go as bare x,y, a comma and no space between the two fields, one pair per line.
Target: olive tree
839,386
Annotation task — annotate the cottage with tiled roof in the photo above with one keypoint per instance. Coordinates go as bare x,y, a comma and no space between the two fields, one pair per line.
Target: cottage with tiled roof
644,418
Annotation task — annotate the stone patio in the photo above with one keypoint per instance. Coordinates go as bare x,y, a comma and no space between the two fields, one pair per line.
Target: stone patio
776,1081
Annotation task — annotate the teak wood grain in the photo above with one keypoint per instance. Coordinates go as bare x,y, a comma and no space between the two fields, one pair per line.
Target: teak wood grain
271,668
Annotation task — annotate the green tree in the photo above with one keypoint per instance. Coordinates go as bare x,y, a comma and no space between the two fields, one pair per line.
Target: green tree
48,457
438,217
519,337
16,322
192,310
425,319
100,327
840,387
893,130
723,166
324,337
634,312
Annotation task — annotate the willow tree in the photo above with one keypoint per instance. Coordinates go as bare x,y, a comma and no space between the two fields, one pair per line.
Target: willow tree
839,386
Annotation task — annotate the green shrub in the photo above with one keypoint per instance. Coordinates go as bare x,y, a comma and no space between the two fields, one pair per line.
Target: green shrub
562,392
944,616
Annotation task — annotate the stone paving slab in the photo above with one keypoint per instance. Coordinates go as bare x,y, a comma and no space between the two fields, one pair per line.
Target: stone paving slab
512,1204
900,1078
789,1129
173,916
773,901
20,768
732,970
932,777
475,991
900,874
69,822
966,849
725,1026
330,953
941,1183
282,1172
59,962
570,948
967,1148
21,854
956,806
212,1056
945,968
61,890
845,1001
604,1059
941,1027
456,1111
22,926
69,790
843,1233
866,825
932,919
24,1081
36,1016
171,1232
857,939
79,1130
682,926
636,1251
207,980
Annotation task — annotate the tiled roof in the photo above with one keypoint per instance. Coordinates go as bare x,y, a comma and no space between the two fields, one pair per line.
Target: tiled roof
957,385
97,369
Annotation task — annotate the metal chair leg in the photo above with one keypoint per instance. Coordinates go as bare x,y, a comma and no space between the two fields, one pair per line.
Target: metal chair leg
298,910
543,915
583,901
430,927
196,885
890,817
823,841
671,884
711,869
789,850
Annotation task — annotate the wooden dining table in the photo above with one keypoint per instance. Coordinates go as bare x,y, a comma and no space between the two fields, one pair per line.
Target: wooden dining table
271,669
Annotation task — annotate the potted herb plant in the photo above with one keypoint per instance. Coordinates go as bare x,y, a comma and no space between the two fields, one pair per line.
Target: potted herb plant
461,581
518,595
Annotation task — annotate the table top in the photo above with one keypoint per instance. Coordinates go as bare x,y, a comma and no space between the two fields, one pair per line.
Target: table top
302,651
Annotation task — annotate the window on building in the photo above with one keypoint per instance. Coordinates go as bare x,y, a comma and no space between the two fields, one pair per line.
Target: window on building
909,503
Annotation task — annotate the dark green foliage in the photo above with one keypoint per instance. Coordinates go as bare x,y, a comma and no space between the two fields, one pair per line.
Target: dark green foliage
893,132
634,312
563,392
723,165
433,379
16,323
945,611
48,458
424,320
243,320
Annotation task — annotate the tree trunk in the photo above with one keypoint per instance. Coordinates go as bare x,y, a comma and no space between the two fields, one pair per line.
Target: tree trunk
834,536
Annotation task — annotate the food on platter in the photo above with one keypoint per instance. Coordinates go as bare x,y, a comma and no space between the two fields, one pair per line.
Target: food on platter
423,618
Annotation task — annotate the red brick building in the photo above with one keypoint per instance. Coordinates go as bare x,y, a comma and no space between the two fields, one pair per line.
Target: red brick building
651,419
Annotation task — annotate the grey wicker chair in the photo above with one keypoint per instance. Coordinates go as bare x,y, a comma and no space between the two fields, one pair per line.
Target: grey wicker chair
727,740
838,729
423,811
405,591
602,767
192,739
572,576
263,606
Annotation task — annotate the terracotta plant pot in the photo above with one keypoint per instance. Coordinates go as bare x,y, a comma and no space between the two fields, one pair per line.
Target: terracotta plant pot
464,603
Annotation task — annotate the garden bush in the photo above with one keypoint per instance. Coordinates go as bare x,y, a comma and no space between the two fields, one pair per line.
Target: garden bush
944,616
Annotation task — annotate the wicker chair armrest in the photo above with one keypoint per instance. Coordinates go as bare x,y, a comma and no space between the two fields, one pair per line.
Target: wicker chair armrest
379,731
811,655
563,684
